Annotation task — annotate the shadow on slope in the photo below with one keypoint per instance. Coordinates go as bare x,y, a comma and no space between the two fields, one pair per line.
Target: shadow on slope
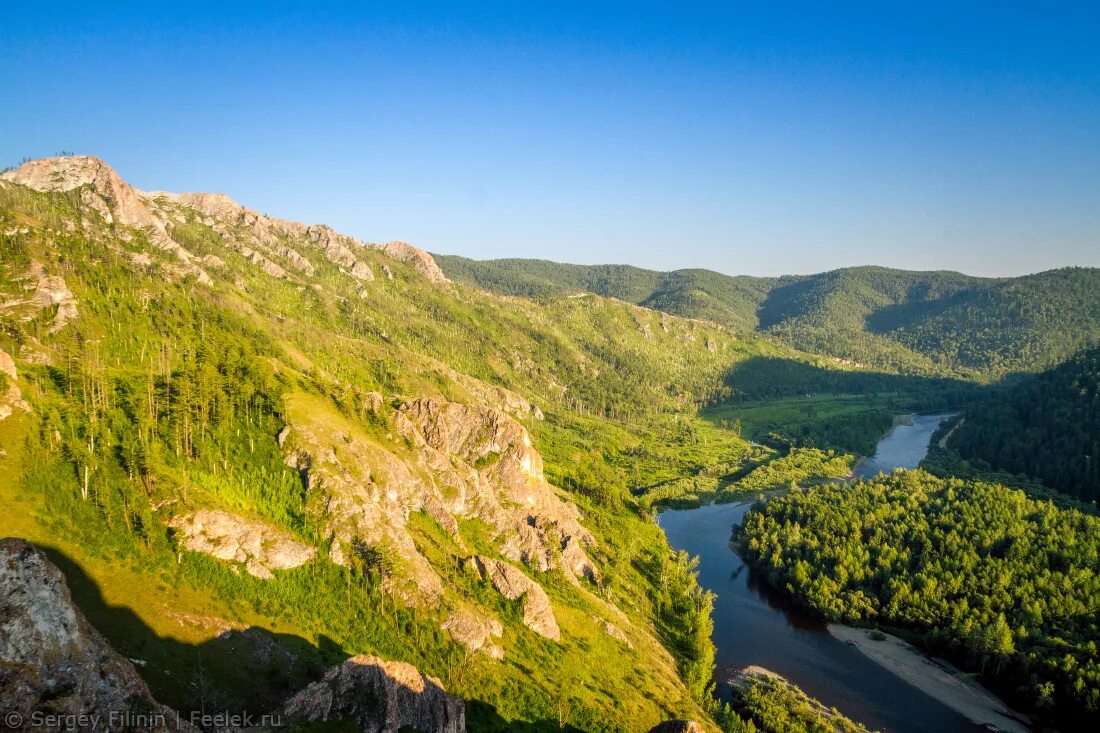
785,403
766,377
239,670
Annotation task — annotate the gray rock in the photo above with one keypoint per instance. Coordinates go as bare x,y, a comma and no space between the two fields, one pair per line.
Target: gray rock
510,582
677,726
53,662
379,697
261,547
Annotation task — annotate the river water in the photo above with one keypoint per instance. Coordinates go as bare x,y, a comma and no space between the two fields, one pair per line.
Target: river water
754,624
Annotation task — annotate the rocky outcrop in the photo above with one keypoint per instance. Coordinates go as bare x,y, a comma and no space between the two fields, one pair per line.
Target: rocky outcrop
52,290
539,527
102,190
476,632
379,697
260,547
421,261
41,291
452,462
52,662
271,241
510,582
677,726
115,200
613,631
338,248
11,397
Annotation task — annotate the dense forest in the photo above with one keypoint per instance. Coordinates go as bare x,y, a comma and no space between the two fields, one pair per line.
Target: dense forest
932,323
1005,585
1046,428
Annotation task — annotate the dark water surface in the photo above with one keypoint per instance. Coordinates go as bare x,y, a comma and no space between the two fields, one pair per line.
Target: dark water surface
753,624
903,447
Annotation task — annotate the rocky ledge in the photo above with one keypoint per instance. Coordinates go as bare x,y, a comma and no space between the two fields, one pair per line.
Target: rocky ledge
379,697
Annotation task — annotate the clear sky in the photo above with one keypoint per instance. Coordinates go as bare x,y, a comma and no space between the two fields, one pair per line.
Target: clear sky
756,138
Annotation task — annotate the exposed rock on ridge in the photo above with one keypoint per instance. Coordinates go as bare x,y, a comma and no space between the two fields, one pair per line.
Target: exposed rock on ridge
379,697
157,213
420,260
103,190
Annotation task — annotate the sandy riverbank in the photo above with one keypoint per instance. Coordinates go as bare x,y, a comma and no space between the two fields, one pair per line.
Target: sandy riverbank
956,426
935,678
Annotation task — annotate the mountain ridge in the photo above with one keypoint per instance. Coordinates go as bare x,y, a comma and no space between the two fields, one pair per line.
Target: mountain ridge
917,322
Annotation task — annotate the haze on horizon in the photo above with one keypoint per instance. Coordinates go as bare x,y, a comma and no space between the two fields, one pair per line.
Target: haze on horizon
748,140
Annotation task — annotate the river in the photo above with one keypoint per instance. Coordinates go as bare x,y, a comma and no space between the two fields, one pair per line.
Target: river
754,624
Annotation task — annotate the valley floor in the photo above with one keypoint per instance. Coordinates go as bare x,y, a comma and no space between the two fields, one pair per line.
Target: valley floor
936,678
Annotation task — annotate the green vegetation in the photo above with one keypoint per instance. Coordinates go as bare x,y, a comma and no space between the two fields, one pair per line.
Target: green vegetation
731,301
773,704
166,394
931,323
163,396
1045,429
1003,584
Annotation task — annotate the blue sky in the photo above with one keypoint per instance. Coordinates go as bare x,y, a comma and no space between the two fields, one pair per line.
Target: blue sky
754,138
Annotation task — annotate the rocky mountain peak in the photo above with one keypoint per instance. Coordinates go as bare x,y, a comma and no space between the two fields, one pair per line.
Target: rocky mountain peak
111,196
269,243
64,173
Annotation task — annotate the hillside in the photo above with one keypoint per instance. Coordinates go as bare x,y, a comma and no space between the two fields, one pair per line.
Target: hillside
1046,429
908,322
238,435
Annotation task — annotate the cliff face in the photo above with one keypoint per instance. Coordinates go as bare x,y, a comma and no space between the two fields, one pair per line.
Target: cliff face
52,662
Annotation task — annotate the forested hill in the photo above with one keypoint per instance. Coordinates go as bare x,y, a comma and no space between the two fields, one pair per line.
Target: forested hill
913,322
1047,428
731,301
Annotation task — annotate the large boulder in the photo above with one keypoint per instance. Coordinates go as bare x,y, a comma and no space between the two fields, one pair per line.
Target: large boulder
379,697
53,663
512,583
261,547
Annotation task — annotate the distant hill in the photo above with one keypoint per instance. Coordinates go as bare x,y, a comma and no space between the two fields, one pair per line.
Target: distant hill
1047,428
911,322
